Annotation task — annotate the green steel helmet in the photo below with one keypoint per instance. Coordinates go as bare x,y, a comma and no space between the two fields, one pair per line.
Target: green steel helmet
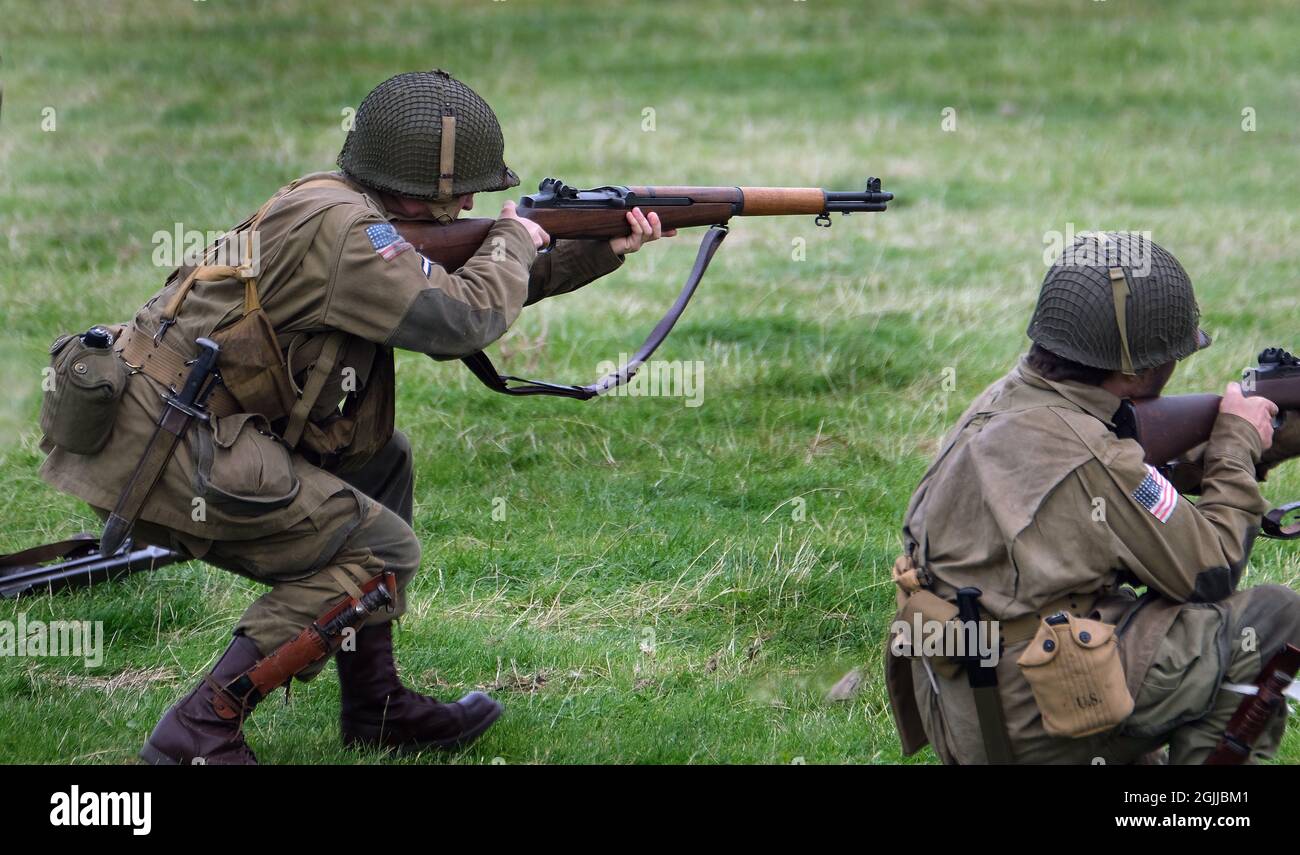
1120,302
426,135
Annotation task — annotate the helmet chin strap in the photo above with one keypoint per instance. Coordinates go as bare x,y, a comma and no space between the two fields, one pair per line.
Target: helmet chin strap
1119,292
447,155
444,212
446,207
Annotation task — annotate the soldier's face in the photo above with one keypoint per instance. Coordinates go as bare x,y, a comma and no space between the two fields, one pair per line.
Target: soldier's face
1147,384
1159,377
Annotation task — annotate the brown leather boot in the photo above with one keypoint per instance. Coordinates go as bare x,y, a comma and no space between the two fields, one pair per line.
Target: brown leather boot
377,711
192,732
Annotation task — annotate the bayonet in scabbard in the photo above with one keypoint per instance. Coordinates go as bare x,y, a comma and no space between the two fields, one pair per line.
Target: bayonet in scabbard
181,409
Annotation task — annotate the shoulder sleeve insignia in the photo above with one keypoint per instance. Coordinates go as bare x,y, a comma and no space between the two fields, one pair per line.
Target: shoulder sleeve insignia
386,241
1156,494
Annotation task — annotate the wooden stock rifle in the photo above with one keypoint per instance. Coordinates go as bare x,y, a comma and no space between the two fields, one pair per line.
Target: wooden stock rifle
1169,426
567,213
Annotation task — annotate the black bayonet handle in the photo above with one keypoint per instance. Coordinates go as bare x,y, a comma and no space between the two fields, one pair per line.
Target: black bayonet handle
196,388
968,612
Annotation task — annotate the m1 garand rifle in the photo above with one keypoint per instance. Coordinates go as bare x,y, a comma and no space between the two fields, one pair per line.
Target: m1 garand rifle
567,213
1169,426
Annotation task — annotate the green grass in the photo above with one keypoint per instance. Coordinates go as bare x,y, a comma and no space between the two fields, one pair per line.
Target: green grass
650,596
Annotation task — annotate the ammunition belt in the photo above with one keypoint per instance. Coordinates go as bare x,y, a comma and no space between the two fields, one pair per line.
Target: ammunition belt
167,366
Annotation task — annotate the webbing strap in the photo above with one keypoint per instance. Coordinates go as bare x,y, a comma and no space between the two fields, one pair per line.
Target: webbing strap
169,367
82,543
447,156
486,372
320,372
351,588
216,272
1119,293
1025,627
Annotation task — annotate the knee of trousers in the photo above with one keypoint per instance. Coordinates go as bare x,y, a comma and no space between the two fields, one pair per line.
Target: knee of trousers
1272,612
400,448
391,542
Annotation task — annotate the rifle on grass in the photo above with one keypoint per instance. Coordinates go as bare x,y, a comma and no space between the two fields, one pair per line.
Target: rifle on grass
567,213
76,563
1169,426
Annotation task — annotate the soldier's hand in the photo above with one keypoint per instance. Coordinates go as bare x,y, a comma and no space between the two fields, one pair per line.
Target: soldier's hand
536,232
644,230
1258,411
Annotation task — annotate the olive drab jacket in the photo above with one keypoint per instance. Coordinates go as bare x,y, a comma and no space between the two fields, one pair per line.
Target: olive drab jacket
328,263
1034,498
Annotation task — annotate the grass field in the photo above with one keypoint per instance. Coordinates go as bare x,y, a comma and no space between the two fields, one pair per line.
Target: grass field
670,583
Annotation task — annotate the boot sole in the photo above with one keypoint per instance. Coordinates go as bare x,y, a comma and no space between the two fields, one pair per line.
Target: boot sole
453,744
154,757
465,739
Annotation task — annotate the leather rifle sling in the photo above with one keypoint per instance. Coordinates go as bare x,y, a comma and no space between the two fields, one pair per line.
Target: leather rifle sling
36,555
486,372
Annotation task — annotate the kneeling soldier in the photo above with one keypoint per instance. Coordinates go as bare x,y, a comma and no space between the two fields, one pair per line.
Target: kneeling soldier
302,481
1036,515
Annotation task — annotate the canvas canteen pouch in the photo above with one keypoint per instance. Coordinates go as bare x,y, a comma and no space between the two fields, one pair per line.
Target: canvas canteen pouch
83,387
1074,668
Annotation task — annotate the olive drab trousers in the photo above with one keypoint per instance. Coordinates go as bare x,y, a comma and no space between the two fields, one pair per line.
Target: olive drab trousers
361,530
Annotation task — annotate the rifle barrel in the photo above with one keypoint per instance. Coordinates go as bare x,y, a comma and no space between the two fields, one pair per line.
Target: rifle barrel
847,203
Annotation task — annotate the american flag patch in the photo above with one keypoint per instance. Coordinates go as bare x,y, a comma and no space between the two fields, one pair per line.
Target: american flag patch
386,241
1157,495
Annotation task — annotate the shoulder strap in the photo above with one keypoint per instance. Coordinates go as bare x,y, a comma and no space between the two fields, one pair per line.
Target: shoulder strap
486,372
216,272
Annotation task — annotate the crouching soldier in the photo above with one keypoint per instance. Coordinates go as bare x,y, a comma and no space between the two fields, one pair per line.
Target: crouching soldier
297,477
1037,517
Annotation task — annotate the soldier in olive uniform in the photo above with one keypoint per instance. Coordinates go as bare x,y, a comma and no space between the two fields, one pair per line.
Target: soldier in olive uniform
1036,501
299,480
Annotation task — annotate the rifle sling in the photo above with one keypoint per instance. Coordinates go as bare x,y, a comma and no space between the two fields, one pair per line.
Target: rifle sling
482,368
1274,524
36,555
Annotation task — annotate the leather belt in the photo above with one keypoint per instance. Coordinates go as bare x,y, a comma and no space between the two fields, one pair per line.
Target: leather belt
162,363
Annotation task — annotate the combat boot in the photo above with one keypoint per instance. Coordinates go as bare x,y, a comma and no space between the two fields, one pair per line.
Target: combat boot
377,711
192,732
